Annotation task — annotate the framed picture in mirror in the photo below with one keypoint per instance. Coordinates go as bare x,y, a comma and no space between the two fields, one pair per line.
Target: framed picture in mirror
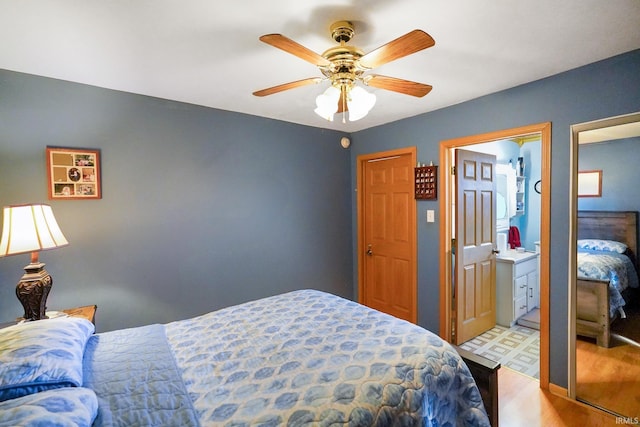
590,183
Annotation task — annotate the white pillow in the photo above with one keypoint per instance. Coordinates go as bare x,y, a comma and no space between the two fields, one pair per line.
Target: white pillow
42,355
602,245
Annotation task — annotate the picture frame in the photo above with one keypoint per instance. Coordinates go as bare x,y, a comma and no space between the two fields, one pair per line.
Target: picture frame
73,173
590,183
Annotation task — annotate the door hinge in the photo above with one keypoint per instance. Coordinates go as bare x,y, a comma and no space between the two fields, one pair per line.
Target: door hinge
453,170
453,330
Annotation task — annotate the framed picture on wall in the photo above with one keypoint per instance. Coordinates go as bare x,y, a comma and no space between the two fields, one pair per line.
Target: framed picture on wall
73,173
590,183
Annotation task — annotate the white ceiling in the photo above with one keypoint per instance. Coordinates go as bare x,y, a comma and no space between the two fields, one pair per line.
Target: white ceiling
610,133
207,52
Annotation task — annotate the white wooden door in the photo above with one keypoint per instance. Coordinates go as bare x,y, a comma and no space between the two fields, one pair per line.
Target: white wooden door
475,272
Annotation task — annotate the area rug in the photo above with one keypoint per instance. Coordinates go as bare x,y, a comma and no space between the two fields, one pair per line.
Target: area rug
517,348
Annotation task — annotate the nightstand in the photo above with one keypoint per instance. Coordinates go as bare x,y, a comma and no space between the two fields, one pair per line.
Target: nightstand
86,312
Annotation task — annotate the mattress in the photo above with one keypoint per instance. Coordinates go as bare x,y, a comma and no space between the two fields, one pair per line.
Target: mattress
616,268
305,358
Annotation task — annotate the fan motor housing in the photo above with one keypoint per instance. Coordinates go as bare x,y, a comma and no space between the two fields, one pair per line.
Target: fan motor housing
342,31
344,59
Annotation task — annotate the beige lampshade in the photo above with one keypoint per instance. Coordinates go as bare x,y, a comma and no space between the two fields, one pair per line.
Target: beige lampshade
29,228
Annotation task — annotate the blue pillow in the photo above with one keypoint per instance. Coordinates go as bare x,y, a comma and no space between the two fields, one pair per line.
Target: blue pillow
602,245
76,406
41,355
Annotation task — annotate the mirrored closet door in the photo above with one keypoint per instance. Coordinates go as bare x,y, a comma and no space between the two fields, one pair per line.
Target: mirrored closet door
605,309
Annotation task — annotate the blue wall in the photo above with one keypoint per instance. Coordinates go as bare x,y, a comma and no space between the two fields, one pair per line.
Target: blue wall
530,222
599,90
205,208
201,208
619,161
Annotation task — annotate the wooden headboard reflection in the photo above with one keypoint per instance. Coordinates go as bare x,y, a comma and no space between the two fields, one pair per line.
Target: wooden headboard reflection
621,226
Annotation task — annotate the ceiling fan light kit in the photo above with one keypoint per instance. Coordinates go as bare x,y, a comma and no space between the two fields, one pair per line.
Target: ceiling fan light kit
359,103
327,103
345,65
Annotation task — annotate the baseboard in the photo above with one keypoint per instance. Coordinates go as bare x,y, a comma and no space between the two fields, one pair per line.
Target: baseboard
564,393
558,391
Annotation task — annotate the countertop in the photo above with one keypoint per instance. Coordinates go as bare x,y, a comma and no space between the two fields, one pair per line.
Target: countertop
514,256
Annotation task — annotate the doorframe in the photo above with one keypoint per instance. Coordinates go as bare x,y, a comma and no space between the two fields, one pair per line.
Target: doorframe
445,204
361,160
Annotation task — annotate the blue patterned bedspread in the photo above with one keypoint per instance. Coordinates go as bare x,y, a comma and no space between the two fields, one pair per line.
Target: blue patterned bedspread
609,266
308,358
136,380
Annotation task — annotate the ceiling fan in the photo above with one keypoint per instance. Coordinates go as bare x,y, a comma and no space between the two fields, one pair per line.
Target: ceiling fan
344,65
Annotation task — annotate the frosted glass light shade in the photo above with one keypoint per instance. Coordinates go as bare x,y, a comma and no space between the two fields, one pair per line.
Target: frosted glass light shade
359,102
327,103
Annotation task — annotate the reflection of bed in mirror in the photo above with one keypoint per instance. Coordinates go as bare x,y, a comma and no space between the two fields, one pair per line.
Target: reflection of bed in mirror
598,302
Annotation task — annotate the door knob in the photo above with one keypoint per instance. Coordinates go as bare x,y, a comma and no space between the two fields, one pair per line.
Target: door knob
495,251
369,250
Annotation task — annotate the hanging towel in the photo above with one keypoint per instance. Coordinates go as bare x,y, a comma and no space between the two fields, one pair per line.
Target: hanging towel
514,237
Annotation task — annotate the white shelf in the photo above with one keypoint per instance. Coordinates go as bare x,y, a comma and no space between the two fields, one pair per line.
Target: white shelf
520,187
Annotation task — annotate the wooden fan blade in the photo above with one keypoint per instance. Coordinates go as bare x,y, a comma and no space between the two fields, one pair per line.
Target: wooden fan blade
406,87
289,46
411,42
287,86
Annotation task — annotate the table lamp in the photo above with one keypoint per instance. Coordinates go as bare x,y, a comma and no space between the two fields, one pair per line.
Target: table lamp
30,229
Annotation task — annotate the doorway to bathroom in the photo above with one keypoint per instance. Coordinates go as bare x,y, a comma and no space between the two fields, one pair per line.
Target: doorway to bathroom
535,244
514,339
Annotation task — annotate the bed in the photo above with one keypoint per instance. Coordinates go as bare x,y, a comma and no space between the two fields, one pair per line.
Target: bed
304,358
607,270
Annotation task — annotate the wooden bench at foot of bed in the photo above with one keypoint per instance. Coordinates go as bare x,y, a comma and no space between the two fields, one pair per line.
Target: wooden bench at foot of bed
592,311
485,374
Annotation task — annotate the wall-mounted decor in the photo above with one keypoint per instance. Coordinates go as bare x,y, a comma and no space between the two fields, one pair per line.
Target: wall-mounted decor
537,185
590,183
426,187
73,173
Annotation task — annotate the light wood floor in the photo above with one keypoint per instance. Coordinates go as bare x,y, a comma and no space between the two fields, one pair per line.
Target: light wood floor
609,377
522,403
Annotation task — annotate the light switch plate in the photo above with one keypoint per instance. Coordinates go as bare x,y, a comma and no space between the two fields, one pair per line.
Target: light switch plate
431,215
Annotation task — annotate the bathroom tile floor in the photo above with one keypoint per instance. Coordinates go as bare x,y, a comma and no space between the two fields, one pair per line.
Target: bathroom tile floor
517,348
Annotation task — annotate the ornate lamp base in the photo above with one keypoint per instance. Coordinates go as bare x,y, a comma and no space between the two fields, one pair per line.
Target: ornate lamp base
33,290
